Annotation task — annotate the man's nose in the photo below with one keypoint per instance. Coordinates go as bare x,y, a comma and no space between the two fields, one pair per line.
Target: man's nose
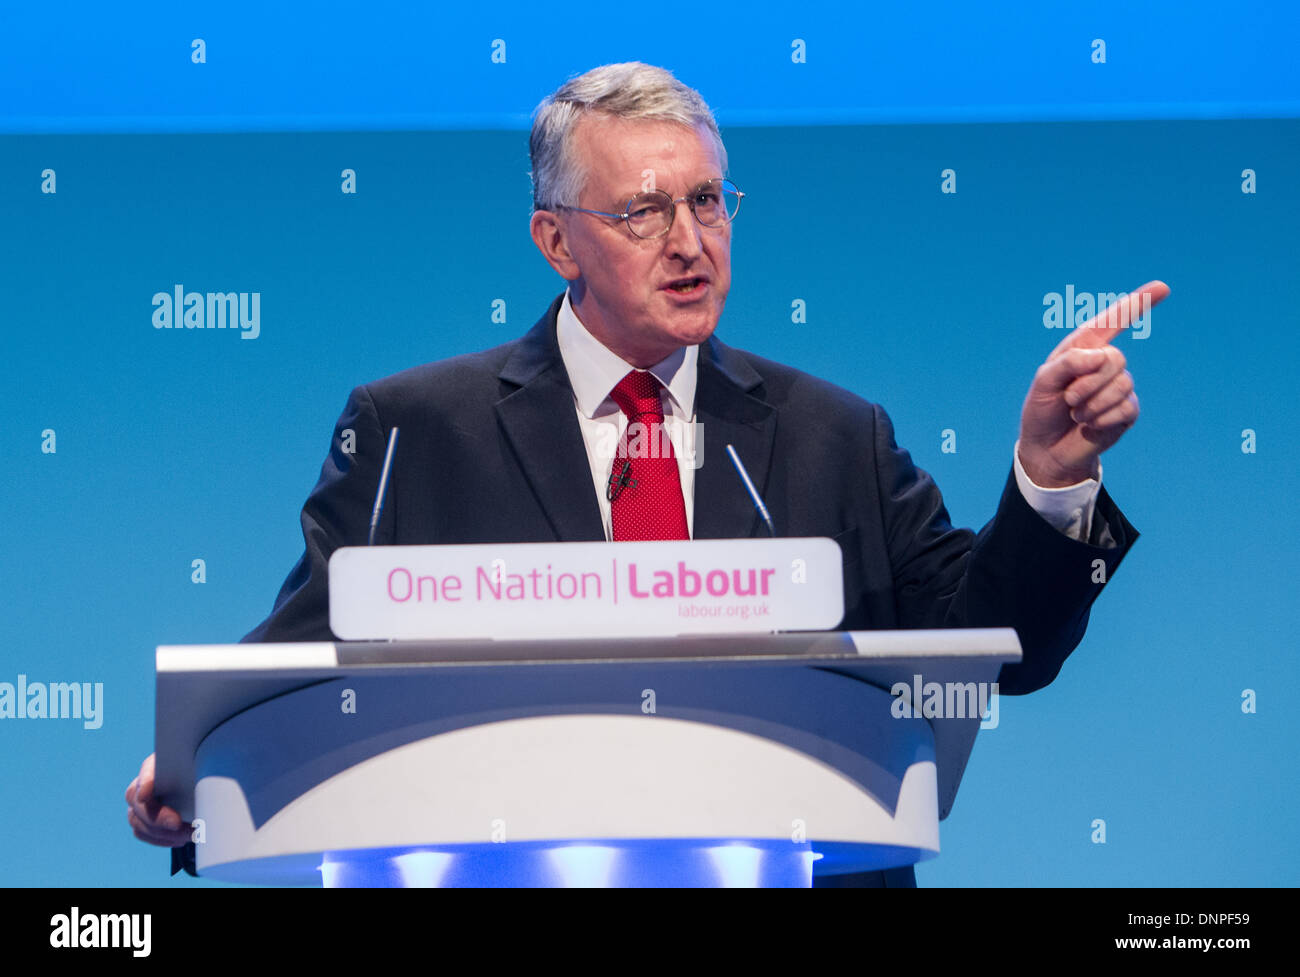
684,235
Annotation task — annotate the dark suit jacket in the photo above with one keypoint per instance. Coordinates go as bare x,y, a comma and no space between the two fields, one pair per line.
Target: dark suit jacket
491,451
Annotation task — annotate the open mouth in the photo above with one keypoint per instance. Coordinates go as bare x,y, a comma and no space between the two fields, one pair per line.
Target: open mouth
685,286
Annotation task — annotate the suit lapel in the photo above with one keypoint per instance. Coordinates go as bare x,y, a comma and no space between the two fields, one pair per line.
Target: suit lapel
730,414
541,425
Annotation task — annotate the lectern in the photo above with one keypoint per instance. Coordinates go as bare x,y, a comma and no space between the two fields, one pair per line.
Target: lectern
665,759
713,760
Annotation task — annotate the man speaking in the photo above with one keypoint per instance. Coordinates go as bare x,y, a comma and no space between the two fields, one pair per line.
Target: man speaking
634,210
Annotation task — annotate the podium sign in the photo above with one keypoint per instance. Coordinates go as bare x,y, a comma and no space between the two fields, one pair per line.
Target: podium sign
576,590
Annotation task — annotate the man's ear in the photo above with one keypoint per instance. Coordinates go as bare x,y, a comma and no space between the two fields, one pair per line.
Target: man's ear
549,235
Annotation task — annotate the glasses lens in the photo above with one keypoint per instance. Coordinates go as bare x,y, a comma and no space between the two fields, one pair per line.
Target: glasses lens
649,214
716,202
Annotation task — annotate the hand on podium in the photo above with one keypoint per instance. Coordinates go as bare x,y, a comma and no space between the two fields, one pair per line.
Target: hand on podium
149,819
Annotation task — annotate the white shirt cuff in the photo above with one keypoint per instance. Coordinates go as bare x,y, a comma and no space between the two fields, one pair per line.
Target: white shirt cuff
1068,509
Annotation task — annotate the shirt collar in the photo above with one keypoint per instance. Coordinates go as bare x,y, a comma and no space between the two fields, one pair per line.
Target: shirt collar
594,369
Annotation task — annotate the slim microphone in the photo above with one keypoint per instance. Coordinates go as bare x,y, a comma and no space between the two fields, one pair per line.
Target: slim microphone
753,492
383,486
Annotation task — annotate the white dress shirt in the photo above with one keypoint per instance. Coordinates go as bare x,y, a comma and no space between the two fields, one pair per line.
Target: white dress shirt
594,370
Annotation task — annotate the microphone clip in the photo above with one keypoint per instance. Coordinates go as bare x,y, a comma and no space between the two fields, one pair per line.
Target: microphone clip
619,479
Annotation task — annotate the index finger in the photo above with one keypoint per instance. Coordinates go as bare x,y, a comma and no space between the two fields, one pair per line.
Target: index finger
1114,319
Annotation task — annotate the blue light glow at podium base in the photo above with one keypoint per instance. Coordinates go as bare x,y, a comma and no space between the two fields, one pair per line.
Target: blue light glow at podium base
610,864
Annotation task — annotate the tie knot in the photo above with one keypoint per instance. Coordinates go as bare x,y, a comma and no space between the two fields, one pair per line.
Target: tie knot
638,395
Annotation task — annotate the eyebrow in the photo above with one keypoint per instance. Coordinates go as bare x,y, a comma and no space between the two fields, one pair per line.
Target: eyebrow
695,186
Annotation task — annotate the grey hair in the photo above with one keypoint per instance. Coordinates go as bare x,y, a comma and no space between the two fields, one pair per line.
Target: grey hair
629,91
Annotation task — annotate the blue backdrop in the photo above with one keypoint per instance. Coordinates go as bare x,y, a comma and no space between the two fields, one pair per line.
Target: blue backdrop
127,168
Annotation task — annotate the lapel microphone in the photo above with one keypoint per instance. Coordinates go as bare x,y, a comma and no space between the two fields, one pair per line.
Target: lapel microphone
619,480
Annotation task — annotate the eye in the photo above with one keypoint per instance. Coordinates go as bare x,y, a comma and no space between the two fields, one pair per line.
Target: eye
707,204
646,205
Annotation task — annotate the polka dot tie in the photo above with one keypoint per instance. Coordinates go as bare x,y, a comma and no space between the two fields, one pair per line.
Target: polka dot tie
645,488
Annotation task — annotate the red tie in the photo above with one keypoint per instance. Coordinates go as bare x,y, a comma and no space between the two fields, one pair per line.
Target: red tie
645,487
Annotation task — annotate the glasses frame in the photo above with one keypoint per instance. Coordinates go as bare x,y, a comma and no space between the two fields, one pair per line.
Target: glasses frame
672,209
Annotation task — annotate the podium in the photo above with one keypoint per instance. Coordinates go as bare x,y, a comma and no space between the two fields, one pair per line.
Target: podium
711,759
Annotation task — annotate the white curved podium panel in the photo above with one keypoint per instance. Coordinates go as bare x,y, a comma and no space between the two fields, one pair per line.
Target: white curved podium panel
570,780
744,762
